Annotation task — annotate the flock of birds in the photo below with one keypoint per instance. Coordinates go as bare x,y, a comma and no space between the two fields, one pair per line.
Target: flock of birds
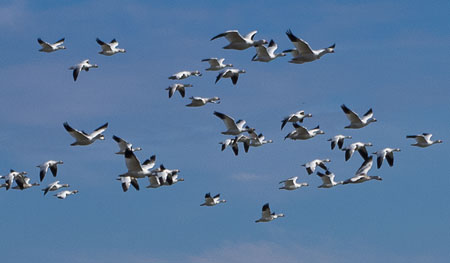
161,176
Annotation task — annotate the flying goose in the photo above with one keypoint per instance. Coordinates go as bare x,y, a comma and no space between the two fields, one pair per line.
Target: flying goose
212,201
123,145
127,181
178,87
82,138
267,216
10,178
47,47
23,182
387,153
83,65
54,186
65,193
216,64
291,184
338,140
302,52
232,127
361,174
267,54
172,178
232,143
199,101
232,73
423,140
109,49
355,121
43,168
295,117
238,42
357,146
162,176
135,168
311,166
328,180
185,74
257,141
301,133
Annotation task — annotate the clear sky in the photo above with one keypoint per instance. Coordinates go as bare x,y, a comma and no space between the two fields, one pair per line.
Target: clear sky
392,56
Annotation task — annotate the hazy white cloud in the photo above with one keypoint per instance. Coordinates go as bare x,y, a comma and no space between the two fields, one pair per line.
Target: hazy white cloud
11,14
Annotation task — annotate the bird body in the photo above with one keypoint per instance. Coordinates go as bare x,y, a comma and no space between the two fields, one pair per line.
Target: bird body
185,74
178,87
301,133
43,168
338,140
311,166
233,128
361,175
267,54
212,201
267,216
355,121
295,117
54,186
238,42
83,138
109,49
83,65
199,101
291,184
302,52
357,146
47,47
216,64
423,140
387,153
328,180
232,73
124,145
65,193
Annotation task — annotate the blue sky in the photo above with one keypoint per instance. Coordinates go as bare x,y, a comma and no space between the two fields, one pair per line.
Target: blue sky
391,56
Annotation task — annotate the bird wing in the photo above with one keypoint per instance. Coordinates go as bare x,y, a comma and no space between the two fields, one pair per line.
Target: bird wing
105,46
43,170
99,130
227,120
234,78
126,181
76,71
213,62
131,161
327,177
123,145
59,42
261,51
78,135
300,129
44,44
390,158
149,163
351,116
266,211
301,45
272,47
365,167
113,43
367,115
251,35
231,36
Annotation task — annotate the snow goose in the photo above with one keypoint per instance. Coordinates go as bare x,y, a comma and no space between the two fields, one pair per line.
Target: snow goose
65,193
135,169
257,141
301,133
109,49
82,138
185,74
23,182
267,54
54,186
361,174
178,87
355,121
127,181
10,178
328,180
216,64
232,127
267,216
295,117
338,140
311,166
232,143
239,42
43,168
423,140
230,73
199,101
303,52
387,153
83,65
123,145
357,146
163,176
172,178
291,184
212,201
47,47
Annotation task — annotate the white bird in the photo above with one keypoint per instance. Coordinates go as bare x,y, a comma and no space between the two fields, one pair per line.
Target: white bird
267,216
291,184
303,52
311,166
47,47
178,87
423,140
328,180
216,64
43,168
109,49
10,178
357,146
163,176
361,174
54,186
355,121
232,73
65,193
185,74
212,201
123,145
338,140
172,178
135,168
232,127
83,65
255,141
232,143
387,153
295,117
127,181
199,101
239,42
82,138
23,182
267,54
301,133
